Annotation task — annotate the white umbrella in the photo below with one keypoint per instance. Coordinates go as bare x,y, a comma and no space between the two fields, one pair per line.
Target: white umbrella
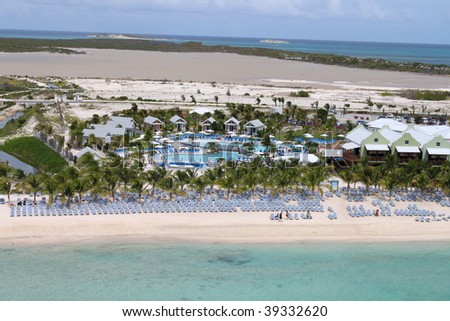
202,132
324,135
340,135
159,146
308,135
154,143
271,136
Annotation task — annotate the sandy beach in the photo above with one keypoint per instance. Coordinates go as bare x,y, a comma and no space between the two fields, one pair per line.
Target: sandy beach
205,67
221,228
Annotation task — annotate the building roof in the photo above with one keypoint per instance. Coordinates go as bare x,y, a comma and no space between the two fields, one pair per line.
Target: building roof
438,151
332,153
421,137
202,110
177,119
408,149
391,123
102,131
125,122
232,120
358,134
433,130
86,150
389,134
377,147
351,145
152,120
210,120
254,123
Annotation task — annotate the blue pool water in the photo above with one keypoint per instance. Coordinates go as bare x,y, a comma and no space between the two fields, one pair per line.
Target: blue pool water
152,271
201,157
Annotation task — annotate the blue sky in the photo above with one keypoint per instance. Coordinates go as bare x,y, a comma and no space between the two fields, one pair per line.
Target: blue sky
416,21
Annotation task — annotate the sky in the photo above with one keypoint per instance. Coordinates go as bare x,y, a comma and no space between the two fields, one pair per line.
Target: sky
410,21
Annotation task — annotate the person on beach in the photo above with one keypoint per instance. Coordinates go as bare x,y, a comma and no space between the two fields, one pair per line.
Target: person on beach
287,215
377,212
308,215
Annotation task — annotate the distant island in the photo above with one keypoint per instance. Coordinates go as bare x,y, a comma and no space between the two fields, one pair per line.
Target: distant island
123,42
274,41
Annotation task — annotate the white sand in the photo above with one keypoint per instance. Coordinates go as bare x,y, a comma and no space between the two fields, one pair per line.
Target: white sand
204,67
221,227
134,74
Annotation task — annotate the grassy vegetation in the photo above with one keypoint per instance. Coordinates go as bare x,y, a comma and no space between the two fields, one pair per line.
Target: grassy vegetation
9,85
35,153
300,93
14,125
61,45
434,95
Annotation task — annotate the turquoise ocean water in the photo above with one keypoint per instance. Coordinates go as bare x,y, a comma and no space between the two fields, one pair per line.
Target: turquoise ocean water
325,271
401,52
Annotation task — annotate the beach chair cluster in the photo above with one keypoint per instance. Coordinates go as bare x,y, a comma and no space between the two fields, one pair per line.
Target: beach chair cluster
422,215
276,217
332,215
361,211
213,201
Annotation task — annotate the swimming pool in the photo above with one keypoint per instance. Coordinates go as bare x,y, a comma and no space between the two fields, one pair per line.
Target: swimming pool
200,158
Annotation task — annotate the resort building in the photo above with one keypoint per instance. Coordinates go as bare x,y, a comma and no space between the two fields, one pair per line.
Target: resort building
116,126
406,142
232,125
154,123
104,132
352,148
180,123
253,127
206,125
124,122
377,146
436,151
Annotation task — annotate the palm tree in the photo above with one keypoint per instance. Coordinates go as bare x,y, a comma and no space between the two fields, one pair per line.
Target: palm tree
81,186
169,184
111,182
139,185
228,181
348,177
125,176
50,186
34,183
6,187
422,182
68,190
200,184
391,182
155,176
